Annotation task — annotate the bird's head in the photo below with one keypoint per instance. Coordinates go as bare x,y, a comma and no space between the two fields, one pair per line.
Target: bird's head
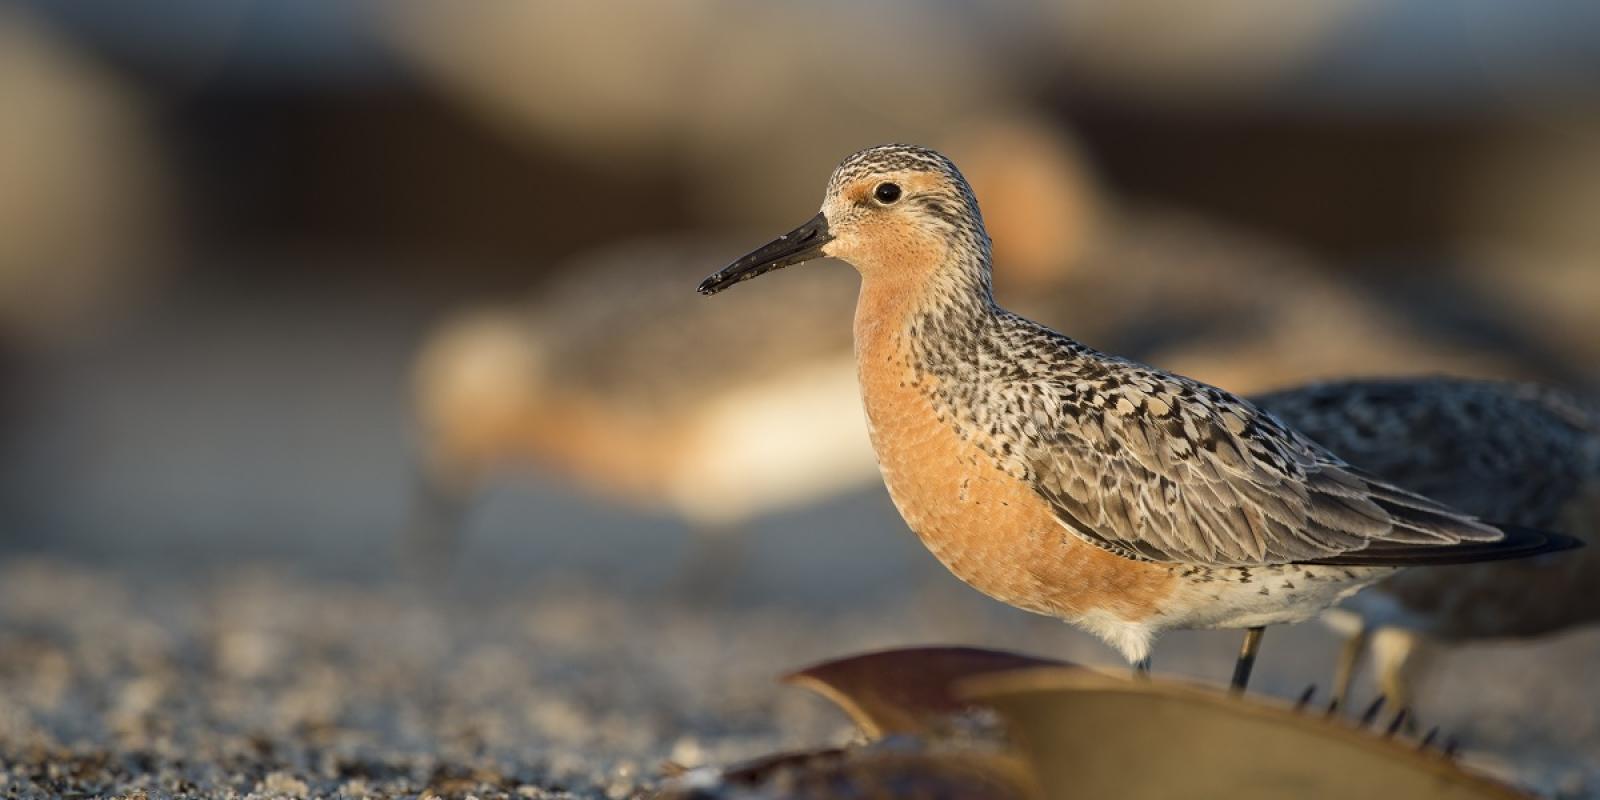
894,212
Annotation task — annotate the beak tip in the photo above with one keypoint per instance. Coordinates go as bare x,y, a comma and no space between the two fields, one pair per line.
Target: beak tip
795,247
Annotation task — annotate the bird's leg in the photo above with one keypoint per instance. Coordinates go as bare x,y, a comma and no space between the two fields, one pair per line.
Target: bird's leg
1349,659
1247,659
1398,656
1141,669
441,498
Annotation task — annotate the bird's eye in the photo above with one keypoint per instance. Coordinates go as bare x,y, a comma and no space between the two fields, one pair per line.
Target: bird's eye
887,193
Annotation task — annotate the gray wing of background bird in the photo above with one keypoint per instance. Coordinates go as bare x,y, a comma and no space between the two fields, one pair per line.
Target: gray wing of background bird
1508,452
1158,467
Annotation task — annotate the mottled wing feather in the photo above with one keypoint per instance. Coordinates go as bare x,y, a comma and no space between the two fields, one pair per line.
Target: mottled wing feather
1157,467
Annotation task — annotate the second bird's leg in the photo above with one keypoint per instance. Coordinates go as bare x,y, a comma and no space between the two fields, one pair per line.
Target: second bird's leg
441,500
1247,659
1349,659
1398,656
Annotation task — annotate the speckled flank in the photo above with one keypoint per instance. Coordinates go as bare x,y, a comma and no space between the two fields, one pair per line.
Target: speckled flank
991,530
1073,483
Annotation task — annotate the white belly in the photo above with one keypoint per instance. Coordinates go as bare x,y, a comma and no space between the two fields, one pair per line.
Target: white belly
1279,595
788,442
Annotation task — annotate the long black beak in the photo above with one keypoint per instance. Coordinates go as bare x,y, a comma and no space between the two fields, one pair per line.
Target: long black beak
797,246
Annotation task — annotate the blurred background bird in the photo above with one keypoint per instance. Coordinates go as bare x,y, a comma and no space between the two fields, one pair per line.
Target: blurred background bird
616,379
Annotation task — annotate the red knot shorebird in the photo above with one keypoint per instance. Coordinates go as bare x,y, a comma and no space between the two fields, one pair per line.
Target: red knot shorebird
1525,454
1080,485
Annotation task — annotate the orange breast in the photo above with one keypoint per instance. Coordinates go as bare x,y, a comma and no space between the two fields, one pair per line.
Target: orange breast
990,529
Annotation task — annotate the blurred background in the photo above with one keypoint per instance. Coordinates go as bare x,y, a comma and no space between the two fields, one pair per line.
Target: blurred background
311,307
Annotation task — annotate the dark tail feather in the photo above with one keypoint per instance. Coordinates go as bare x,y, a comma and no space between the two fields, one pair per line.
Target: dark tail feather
1519,542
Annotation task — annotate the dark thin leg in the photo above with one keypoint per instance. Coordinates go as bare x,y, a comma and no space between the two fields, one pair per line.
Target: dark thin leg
1141,669
1399,719
1371,714
1247,659
1305,697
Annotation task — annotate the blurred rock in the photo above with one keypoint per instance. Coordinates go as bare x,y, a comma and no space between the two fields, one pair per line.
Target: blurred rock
1193,294
1531,241
1043,203
1161,50
752,99
84,212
